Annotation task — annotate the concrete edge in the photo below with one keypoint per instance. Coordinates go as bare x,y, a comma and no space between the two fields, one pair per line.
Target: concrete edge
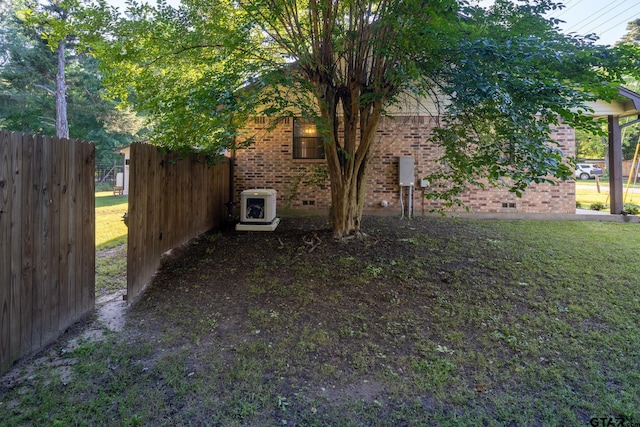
593,216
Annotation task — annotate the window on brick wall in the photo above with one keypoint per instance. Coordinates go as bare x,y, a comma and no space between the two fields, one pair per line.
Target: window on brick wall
307,143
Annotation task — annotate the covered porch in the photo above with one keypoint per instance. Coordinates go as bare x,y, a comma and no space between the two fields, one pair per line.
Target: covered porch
627,106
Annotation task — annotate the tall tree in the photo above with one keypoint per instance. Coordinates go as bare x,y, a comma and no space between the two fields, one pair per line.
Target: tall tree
60,23
590,146
27,89
50,21
26,61
633,33
631,135
594,146
502,77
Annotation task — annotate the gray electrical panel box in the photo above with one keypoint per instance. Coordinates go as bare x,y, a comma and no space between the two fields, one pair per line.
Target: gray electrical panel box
406,173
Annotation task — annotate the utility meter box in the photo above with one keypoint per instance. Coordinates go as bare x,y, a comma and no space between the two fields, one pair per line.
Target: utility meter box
406,171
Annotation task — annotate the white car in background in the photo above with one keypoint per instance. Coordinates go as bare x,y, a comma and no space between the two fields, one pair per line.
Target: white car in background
587,171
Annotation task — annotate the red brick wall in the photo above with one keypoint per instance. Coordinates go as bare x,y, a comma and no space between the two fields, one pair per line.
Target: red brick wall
269,163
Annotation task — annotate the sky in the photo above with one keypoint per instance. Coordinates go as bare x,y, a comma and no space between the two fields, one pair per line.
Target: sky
606,18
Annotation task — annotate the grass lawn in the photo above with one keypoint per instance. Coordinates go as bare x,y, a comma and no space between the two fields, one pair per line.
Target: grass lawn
110,229
431,321
111,238
587,193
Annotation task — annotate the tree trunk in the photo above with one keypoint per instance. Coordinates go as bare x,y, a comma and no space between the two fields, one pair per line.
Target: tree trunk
62,126
347,202
350,93
348,172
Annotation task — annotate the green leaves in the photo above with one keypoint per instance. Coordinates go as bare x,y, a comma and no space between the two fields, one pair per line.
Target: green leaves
188,69
510,81
504,77
27,76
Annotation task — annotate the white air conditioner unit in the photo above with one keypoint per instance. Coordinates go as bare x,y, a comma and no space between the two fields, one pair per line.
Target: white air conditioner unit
258,210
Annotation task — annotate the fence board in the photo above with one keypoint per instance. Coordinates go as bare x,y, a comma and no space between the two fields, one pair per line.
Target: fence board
47,240
88,233
153,225
184,202
135,218
36,238
169,200
72,233
65,315
26,301
172,194
16,249
77,231
6,185
54,238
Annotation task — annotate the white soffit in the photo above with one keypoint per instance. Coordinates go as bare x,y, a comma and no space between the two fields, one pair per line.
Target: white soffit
629,106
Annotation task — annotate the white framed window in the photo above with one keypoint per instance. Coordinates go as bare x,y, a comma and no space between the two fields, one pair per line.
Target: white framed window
307,143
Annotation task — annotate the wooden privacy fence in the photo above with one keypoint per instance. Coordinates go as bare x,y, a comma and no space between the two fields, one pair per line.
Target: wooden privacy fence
47,240
171,200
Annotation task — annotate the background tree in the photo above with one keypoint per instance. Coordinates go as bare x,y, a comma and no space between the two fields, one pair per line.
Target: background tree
502,77
633,33
50,21
26,61
631,134
27,85
592,146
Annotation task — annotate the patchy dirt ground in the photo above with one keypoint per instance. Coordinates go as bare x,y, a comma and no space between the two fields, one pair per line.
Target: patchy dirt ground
427,321
109,317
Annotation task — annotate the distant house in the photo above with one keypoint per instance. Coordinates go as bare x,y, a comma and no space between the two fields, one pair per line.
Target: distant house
122,178
288,158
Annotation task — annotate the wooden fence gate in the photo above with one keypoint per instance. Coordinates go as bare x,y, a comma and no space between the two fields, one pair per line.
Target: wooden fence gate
47,240
47,229
172,199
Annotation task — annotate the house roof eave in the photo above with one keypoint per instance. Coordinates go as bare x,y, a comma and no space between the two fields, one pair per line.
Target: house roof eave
632,96
628,106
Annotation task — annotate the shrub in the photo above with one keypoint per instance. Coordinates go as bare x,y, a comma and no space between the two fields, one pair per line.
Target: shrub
631,209
597,206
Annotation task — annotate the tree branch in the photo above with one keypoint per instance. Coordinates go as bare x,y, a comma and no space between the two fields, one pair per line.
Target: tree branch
46,89
184,49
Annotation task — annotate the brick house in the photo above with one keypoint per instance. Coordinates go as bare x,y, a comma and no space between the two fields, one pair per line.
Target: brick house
286,159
